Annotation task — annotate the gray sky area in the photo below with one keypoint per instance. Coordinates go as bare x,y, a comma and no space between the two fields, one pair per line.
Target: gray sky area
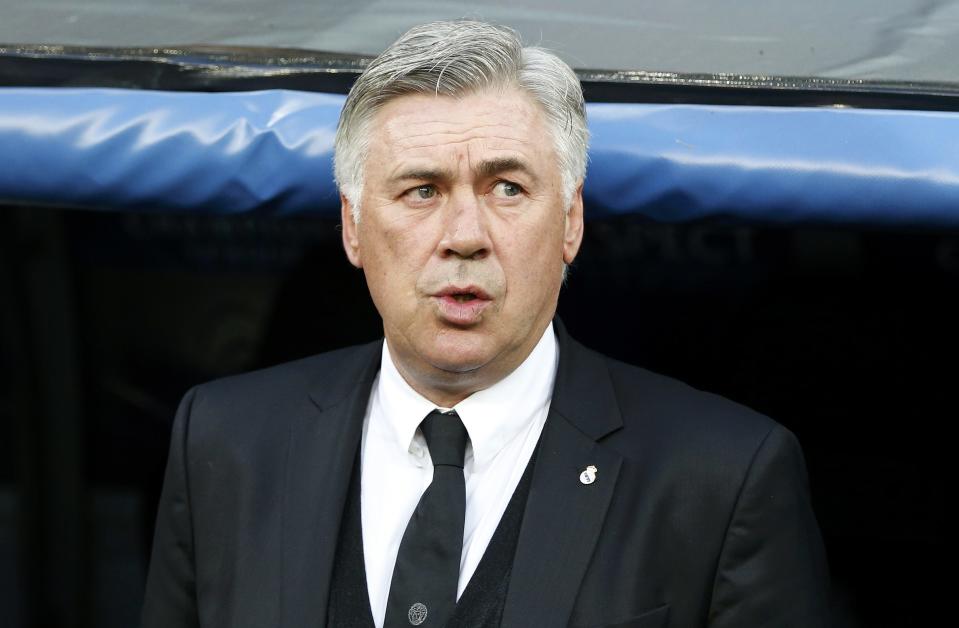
914,40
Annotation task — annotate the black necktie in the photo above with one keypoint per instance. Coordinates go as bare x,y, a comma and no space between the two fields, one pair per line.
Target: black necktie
423,589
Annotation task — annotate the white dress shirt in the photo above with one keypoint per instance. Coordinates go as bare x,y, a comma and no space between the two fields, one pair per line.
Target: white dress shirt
504,423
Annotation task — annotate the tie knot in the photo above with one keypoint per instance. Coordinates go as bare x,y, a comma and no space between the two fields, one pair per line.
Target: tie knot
446,437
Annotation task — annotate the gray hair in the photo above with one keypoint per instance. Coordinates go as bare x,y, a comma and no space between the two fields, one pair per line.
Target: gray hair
454,59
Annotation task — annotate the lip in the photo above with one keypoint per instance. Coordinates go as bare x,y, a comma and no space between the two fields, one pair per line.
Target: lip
470,289
462,313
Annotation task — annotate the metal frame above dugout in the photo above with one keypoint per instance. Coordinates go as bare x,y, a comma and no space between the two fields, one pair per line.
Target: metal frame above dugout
208,68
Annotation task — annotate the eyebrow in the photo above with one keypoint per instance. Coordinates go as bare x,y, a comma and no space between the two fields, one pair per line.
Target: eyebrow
485,169
420,174
493,167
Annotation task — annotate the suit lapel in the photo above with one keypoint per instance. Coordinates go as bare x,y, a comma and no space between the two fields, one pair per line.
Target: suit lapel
564,516
324,441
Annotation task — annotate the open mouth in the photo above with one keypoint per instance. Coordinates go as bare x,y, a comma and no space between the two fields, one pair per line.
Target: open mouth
462,305
463,294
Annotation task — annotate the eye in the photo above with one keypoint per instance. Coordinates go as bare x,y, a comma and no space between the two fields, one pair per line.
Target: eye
423,192
506,189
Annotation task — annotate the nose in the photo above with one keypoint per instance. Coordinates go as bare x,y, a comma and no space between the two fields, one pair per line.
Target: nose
466,231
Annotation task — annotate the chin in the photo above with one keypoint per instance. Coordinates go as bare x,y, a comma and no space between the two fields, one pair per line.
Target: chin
458,355
461,364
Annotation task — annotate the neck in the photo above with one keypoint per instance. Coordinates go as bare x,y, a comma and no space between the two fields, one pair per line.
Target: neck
445,388
444,392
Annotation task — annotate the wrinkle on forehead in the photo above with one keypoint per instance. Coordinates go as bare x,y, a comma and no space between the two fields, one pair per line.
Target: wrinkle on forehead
465,140
427,133
450,136
403,141
406,119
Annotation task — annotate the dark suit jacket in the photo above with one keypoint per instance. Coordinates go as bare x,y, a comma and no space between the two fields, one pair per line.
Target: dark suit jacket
699,515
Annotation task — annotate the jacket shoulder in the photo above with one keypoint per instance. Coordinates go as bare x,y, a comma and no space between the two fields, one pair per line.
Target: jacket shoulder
663,414
698,448
250,404
323,374
656,394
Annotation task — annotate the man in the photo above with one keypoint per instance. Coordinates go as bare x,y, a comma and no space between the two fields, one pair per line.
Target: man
479,467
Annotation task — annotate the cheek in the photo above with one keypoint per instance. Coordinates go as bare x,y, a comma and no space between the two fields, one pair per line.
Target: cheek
394,257
533,257
388,242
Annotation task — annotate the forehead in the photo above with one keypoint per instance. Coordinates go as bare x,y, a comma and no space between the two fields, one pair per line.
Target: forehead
494,123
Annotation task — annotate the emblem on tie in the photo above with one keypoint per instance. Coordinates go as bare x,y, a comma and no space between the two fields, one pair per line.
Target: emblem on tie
588,476
417,614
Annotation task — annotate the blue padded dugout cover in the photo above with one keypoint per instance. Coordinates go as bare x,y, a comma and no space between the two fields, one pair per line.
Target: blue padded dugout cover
271,152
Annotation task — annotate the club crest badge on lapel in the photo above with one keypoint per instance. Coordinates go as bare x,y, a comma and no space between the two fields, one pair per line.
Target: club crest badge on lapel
588,476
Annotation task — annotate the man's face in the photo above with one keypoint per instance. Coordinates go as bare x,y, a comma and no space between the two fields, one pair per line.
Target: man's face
462,236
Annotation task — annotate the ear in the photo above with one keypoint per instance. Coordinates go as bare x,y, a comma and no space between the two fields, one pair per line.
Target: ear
351,239
573,235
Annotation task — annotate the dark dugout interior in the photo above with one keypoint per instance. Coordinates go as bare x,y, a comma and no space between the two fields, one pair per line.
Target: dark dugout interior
845,334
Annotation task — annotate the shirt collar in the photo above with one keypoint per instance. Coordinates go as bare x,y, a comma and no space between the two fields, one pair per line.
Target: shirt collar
493,416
